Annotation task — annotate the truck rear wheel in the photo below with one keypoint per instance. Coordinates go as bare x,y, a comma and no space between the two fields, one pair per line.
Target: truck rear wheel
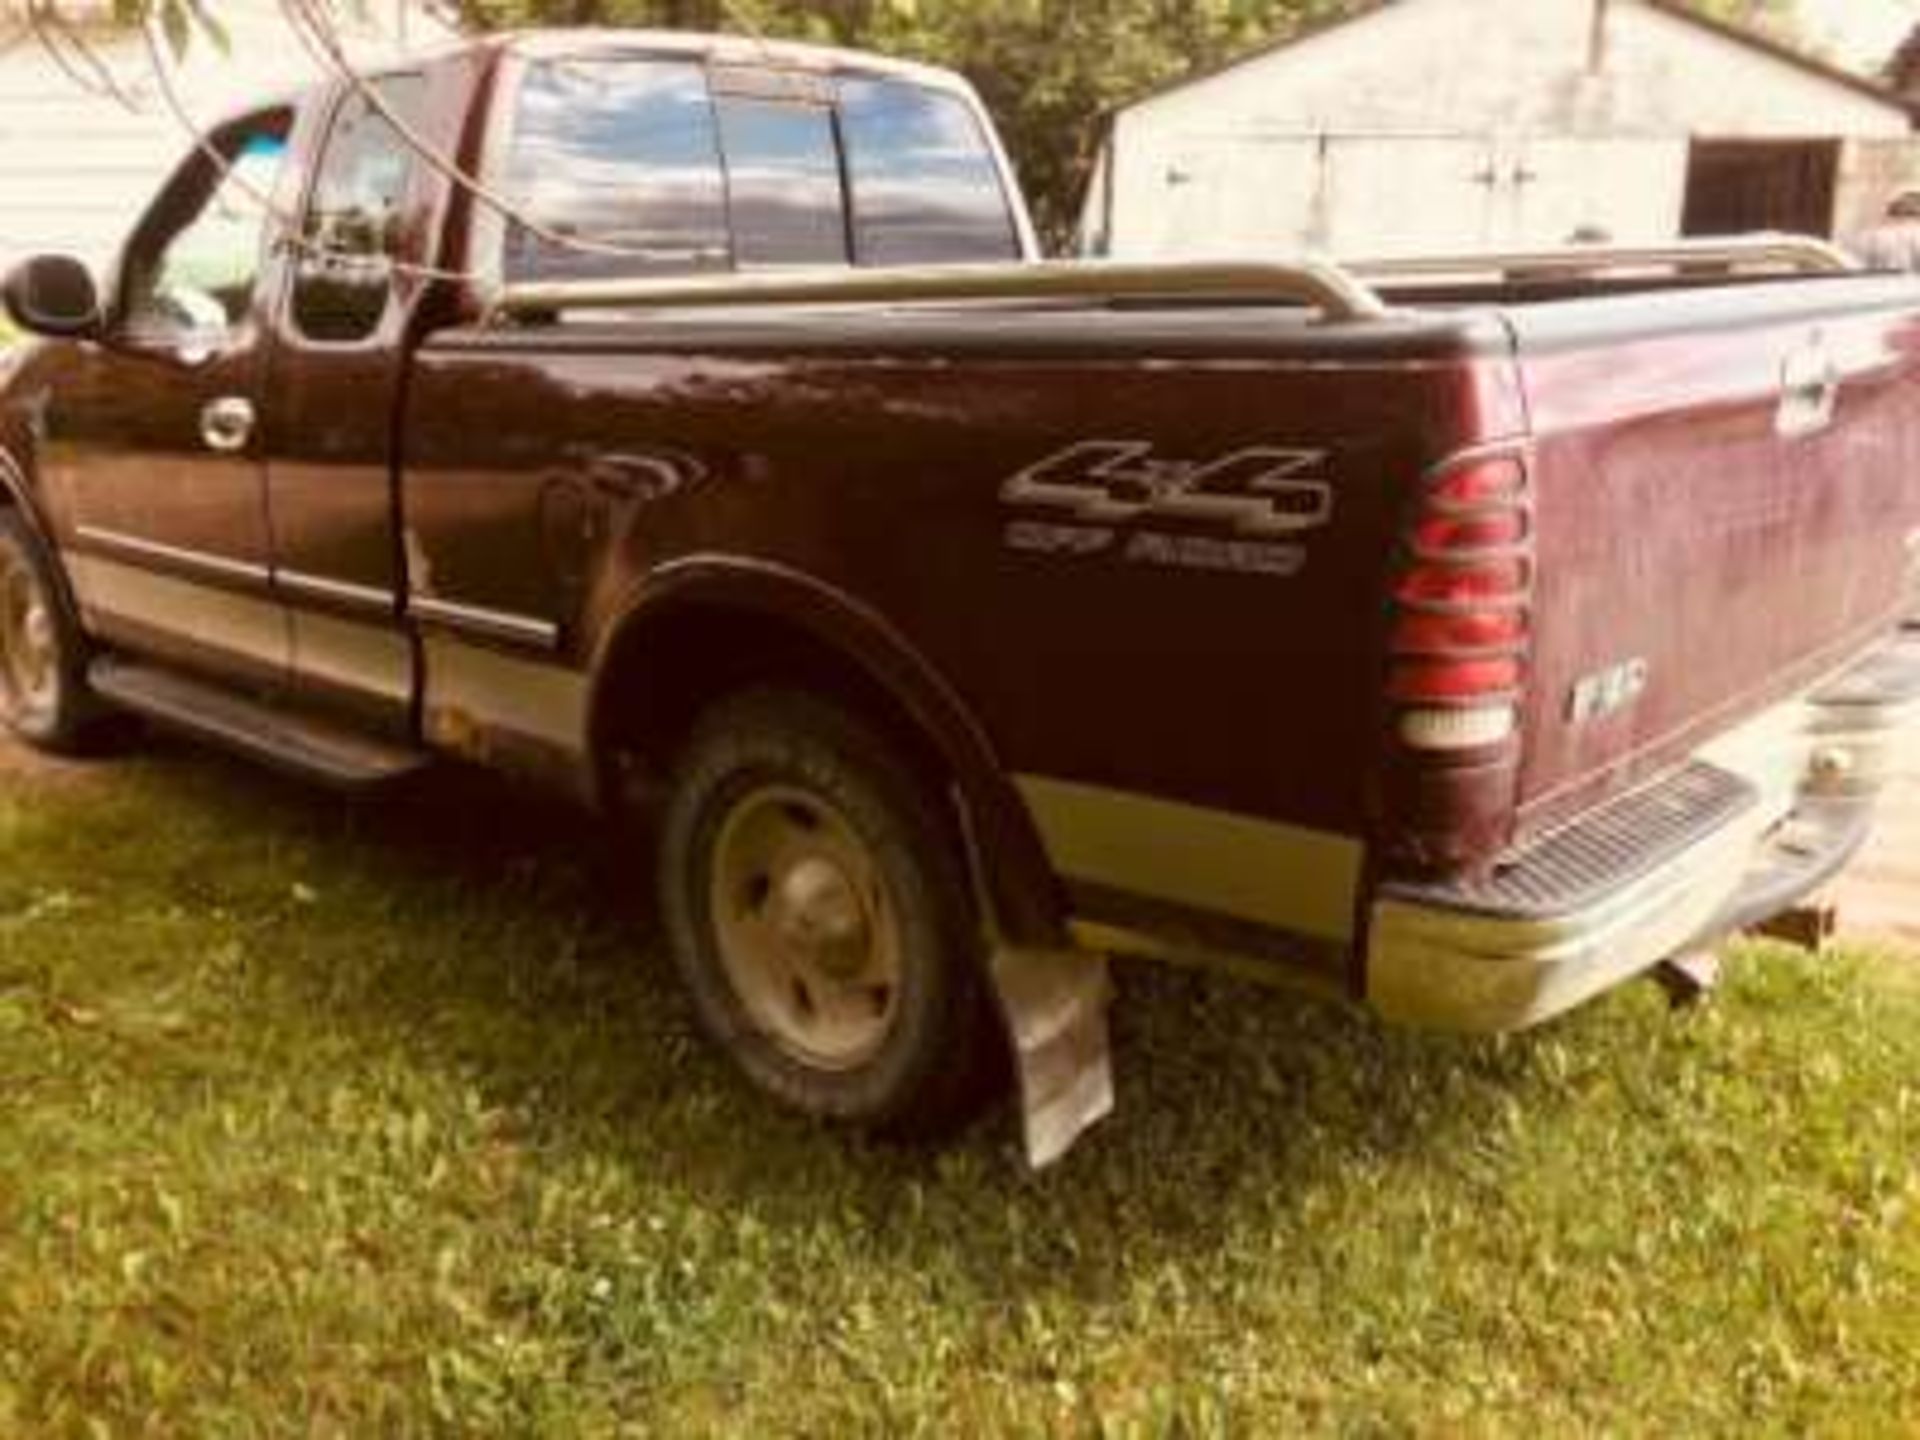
43,687
817,911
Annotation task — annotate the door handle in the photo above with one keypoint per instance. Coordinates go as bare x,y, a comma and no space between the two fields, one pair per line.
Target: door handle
1809,392
226,424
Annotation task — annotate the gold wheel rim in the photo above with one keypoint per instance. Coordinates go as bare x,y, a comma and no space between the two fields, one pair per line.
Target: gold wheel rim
29,644
807,933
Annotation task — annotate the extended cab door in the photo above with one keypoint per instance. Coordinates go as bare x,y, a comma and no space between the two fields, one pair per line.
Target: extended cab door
339,357
151,445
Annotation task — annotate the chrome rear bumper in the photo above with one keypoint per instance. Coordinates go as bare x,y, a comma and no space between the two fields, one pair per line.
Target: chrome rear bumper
1761,819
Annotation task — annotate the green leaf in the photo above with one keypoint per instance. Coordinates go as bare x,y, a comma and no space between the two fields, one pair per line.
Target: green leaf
212,27
176,25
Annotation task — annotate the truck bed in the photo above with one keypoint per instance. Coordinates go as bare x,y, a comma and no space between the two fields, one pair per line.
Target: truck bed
1684,547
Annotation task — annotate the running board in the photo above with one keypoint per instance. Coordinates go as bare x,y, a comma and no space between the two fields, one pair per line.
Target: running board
297,744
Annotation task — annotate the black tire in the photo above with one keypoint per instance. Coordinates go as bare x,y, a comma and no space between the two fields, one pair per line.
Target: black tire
937,1053
44,697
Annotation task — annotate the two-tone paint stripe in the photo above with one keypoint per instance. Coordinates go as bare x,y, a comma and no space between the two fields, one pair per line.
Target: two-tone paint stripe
1284,878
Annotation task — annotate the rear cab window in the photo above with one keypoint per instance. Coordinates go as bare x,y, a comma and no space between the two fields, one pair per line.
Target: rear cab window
636,166
786,193
926,188
616,162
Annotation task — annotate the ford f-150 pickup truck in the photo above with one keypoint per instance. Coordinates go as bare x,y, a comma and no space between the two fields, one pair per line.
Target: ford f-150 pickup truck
690,424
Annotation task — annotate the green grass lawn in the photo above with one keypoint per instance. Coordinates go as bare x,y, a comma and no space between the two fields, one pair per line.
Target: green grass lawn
389,1121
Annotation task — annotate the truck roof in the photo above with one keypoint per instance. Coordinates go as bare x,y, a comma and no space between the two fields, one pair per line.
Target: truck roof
606,40
727,49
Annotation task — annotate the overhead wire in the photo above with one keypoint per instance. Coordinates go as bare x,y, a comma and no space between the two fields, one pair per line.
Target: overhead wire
47,26
318,36
289,227
335,58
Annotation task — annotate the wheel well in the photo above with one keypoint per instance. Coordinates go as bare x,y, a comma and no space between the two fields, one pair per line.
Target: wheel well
661,674
660,679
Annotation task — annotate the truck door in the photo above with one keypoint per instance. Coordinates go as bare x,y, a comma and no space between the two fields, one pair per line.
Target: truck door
338,360
151,442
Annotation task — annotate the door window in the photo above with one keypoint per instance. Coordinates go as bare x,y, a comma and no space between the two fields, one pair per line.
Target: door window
623,154
783,182
193,266
353,230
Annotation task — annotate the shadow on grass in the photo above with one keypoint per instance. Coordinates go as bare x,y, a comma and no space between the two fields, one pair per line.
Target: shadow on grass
463,923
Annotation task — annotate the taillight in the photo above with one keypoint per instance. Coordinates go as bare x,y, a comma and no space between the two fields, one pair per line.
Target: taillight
1462,597
1450,534
1462,585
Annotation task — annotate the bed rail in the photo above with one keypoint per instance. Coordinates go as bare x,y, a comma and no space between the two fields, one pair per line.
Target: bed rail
1800,254
1333,290
1339,291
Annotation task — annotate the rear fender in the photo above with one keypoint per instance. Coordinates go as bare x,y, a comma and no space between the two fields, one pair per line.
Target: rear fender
1009,864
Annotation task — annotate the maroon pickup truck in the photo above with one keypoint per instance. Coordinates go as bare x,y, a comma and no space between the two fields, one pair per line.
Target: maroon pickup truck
689,424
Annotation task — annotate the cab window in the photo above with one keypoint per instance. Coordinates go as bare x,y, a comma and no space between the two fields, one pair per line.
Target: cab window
353,230
783,182
623,157
639,167
926,188
193,267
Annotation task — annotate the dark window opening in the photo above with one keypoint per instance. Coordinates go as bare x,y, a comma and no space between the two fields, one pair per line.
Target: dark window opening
1735,187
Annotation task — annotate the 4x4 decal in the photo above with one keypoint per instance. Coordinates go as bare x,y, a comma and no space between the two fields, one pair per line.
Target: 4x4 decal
1259,496
1257,492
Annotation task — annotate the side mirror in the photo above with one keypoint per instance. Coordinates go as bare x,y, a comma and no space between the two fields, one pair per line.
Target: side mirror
52,295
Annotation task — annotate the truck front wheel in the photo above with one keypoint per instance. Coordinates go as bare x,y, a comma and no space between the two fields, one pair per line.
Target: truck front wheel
43,689
816,908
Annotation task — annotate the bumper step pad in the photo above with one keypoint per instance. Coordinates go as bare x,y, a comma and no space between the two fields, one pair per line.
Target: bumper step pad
1604,852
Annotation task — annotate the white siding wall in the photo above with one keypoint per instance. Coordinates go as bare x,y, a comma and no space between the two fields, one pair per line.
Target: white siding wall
1343,140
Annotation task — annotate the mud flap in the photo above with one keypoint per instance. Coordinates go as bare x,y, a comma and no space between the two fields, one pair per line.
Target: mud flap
1055,1006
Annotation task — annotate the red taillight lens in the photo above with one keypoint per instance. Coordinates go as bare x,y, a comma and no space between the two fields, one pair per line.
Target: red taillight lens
1426,681
1464,585
1415,633
1457,534
1462,623
1498,481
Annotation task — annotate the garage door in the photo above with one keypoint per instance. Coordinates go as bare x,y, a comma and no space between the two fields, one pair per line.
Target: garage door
1399,195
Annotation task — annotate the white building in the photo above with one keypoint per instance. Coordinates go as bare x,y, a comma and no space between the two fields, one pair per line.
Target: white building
79,158
1443,126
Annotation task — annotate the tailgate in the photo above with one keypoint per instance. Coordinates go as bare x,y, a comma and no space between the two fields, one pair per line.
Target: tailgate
1728,492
